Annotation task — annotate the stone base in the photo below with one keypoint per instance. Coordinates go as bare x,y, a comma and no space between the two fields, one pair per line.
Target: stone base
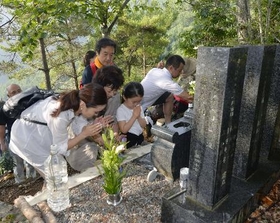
242,200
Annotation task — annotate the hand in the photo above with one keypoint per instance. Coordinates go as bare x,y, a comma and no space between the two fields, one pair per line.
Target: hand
3,146
190,98
98,139
137,111
160,64
92,129
105,121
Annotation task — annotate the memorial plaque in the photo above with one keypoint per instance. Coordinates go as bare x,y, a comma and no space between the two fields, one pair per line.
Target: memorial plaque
253,106
219,83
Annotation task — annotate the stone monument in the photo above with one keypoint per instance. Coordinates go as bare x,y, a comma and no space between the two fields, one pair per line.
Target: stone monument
257,80
213,194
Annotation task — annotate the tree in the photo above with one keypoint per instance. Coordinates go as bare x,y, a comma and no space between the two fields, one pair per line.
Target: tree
39,27
40,23
233,22
148,36
243,21
47,35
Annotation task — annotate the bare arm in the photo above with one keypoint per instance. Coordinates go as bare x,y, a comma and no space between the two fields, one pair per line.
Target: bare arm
142,122
185,96
125,126
89,130
2,138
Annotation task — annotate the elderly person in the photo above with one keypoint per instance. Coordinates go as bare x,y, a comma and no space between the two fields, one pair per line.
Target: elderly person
5,132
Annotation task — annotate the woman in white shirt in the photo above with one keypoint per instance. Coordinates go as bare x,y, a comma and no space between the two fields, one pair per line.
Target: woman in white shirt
46,122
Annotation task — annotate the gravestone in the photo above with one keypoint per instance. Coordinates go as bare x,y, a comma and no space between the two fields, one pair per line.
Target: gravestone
170,151
259,68
213,194
272,121
219,82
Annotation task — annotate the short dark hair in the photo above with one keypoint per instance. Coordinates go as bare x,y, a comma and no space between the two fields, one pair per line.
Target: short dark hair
175,61
109,76
102,43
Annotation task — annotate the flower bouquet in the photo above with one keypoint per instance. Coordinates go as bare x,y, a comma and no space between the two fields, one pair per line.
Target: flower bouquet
111,166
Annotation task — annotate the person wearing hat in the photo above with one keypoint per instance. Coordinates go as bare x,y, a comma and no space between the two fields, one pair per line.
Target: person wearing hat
188,75
159,86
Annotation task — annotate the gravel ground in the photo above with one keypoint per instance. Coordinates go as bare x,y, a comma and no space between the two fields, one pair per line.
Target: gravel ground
141,199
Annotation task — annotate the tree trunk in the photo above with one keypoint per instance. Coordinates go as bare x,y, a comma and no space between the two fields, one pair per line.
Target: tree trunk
46,212
106,31
45,64
28,211
243,20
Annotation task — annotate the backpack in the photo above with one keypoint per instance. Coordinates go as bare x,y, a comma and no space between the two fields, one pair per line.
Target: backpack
19,102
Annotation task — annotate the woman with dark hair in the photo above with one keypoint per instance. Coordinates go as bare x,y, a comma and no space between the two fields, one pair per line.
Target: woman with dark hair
89,57
46,122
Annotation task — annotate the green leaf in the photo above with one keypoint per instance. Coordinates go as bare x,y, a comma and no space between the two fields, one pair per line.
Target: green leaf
111,163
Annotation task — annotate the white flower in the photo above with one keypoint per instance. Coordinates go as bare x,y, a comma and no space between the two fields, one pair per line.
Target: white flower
120,148
192,83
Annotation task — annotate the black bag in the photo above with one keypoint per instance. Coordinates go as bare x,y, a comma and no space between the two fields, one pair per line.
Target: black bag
19,102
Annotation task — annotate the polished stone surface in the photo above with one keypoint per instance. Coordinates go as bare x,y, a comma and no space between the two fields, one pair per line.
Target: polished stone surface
170,151
219,83
235,208
256,86
272,130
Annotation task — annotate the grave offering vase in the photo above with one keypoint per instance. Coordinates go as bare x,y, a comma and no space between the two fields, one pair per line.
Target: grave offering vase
114,199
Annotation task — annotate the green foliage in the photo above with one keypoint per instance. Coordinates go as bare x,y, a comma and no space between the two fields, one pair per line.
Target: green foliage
214,24
111,161
191,88
142,38
6,163
10,218
224,23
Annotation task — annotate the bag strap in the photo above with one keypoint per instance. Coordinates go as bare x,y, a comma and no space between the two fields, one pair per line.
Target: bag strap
34,121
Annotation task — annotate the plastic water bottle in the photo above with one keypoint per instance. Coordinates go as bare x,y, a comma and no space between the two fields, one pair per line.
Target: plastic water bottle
184,175
57,180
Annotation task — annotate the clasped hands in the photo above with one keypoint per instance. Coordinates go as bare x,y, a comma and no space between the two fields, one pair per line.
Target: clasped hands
95,127
136,111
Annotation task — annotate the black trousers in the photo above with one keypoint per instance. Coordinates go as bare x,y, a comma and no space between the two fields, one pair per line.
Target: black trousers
133,139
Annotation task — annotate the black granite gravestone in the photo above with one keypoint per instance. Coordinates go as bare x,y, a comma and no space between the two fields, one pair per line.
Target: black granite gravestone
241,201
219,83
272,125
170,151
259,67
213,194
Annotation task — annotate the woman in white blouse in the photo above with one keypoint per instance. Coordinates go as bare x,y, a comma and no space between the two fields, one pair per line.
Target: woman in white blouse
46,122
